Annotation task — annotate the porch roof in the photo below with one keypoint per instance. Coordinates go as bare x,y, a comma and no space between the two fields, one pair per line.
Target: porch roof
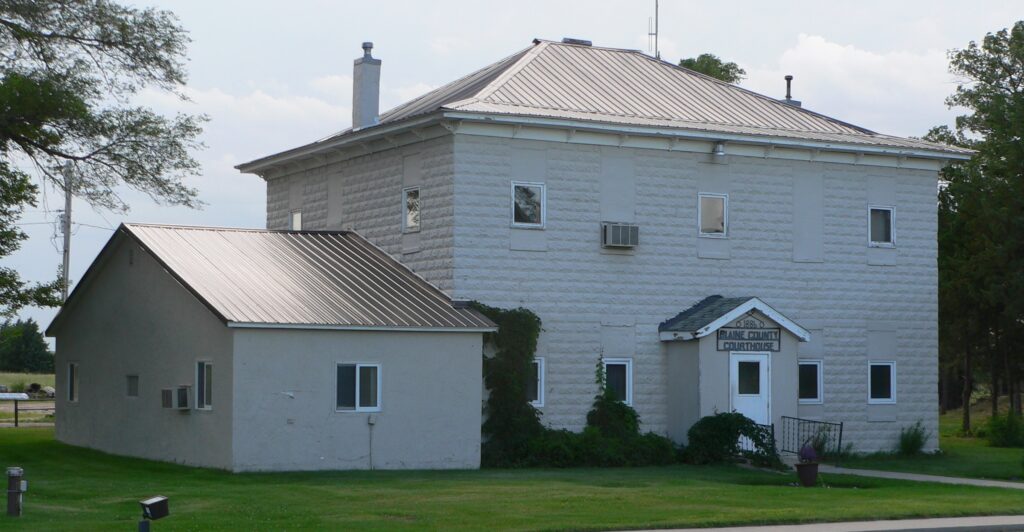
714,312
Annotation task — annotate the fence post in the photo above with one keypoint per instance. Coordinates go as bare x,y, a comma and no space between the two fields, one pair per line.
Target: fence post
15,413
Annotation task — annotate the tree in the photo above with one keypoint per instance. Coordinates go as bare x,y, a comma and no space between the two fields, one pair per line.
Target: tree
68,72
711,65
23,348
981,219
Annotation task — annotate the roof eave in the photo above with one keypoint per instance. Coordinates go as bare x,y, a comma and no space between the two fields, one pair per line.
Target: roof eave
682,132
751,304
328,327
336,142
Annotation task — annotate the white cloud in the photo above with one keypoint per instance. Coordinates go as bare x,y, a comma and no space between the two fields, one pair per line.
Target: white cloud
409,92
897,92
447,44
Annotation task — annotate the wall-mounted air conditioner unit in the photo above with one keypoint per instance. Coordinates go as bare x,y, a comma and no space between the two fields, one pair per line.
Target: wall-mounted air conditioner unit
175,398
619,235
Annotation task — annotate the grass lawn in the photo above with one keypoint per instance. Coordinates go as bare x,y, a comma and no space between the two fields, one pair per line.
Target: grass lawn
960,456
45,379
87,490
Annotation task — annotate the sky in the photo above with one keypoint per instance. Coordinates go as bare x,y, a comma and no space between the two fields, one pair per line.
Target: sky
273,75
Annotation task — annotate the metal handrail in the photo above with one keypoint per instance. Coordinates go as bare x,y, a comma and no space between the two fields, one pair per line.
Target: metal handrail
825,436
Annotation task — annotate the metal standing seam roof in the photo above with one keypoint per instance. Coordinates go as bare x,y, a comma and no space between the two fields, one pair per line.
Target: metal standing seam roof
299,279
629,88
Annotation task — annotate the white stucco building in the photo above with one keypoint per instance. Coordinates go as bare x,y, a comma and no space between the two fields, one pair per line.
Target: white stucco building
613,194
266,350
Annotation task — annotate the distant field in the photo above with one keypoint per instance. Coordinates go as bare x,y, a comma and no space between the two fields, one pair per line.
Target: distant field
45,379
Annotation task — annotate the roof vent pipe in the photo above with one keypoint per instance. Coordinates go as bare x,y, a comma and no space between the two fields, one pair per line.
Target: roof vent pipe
789,94
365,90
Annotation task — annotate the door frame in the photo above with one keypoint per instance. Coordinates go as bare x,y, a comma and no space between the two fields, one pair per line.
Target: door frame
767,357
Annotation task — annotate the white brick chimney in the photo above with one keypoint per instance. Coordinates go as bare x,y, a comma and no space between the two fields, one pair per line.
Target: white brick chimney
365,89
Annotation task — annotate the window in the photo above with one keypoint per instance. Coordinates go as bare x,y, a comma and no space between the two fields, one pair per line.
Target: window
748,378
295,224
411,209
204,385
713,215
535,383
618,375
133,386
810,382
359,387
880,226
73,382
882,383
528,205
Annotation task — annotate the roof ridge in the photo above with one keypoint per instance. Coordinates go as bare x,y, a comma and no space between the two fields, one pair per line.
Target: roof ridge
130,225
510,71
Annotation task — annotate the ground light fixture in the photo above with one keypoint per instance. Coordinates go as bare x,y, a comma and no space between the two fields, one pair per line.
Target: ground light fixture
16,488
153,508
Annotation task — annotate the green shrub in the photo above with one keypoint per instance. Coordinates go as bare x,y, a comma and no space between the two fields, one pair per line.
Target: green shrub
912,439
1005,431
613,418
715,439
17,386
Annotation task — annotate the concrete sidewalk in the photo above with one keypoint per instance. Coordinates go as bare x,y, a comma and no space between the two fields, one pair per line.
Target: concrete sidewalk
950,524
895,475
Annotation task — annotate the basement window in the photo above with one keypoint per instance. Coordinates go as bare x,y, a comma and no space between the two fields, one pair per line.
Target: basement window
810,382
713,215
528,205
411,209
535,383
881,227
204,385
358,388
882,383
618,377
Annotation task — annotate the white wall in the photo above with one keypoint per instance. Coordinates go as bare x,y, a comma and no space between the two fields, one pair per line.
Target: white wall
134,318
286,396
578,289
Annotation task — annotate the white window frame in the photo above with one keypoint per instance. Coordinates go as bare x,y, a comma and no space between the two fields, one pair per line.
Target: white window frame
292,226
207,403
127,388
543,205
359,365
405,212
629,375
892,374
539,361
892,226
821,380
725,214
74,382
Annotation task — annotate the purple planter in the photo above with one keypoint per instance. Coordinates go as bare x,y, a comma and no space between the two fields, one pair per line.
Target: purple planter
808,474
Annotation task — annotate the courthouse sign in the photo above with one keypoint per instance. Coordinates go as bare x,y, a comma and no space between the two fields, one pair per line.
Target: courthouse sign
749,334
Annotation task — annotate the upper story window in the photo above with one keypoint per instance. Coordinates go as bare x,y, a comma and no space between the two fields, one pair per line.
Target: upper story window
810,382
881,227
535,382
204,385
618,377
882,382
528,205
295,223
411,209
713,215
358,388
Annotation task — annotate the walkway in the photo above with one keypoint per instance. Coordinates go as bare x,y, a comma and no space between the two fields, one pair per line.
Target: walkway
947,524
827,469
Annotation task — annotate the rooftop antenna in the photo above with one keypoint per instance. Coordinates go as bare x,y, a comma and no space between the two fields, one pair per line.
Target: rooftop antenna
652,32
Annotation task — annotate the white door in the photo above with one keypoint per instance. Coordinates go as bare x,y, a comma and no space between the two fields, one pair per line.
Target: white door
750,385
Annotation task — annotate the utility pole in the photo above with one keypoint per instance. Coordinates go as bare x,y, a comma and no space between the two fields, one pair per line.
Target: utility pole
65,227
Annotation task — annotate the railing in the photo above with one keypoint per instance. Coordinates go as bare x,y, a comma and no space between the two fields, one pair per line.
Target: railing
825,437
768,435
19,409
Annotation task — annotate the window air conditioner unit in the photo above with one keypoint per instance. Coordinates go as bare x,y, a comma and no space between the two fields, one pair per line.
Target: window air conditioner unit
619,235
175,398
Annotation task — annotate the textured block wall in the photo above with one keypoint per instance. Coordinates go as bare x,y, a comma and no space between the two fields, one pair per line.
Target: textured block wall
365,194
585,295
